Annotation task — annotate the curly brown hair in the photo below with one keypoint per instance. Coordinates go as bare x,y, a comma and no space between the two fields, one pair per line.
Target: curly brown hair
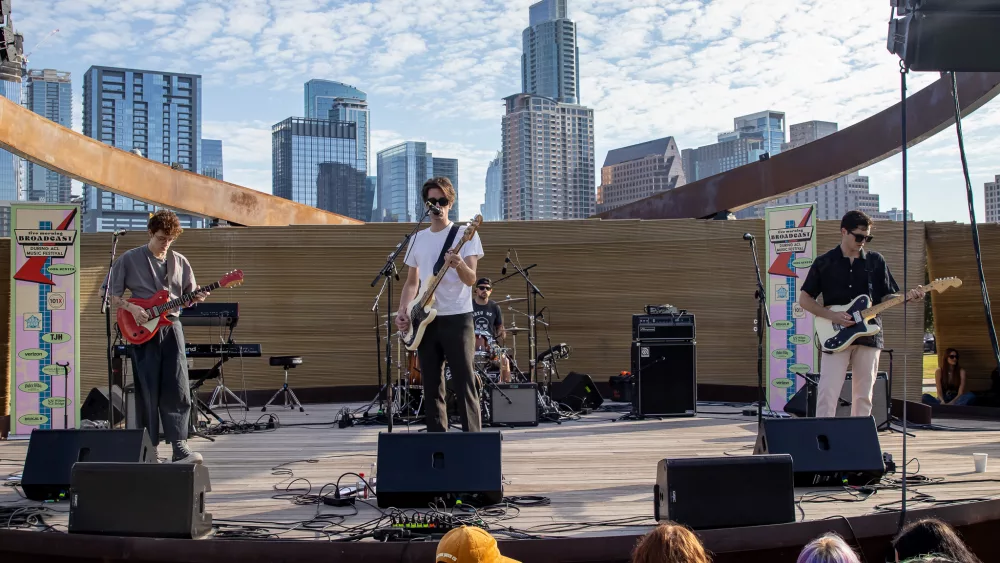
166,221
670,543
443,184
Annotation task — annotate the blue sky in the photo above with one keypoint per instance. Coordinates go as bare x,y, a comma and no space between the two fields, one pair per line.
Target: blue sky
437,71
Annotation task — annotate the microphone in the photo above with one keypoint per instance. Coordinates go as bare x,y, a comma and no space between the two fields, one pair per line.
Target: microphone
541,314
506,261
434,209
118,232
747,236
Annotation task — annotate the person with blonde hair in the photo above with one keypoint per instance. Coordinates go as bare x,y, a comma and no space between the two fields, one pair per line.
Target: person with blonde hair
670,543
828,548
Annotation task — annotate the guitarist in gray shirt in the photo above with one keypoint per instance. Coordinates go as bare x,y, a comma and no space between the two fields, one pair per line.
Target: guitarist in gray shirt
161,376
450,336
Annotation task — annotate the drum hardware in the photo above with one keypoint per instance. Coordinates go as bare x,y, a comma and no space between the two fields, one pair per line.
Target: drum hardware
511,300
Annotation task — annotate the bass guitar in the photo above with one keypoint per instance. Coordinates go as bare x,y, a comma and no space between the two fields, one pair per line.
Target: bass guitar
160,304
421,310
833,337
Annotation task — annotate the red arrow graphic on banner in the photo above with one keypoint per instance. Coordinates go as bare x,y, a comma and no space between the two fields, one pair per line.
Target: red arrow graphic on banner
31,271
780,266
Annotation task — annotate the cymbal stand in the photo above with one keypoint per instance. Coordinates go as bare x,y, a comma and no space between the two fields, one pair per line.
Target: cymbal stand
533,293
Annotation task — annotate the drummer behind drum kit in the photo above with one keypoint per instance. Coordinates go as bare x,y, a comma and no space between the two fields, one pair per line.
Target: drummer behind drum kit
489,358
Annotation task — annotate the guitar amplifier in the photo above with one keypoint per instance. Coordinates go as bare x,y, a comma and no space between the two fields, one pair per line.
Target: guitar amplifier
514,404
663,327
665,378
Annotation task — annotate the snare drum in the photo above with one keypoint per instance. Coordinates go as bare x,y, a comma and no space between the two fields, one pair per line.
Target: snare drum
413,369
484,349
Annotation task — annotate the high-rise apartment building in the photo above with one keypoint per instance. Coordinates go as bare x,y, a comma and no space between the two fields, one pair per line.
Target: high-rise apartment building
402,170
157,113
550,62
802,133
492,208
639,171
48,93
992,196
767,125
10,164
315,162
895,214
211,158
448,168
548,159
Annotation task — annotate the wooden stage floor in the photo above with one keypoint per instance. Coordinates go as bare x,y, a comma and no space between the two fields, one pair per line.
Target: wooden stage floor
595,469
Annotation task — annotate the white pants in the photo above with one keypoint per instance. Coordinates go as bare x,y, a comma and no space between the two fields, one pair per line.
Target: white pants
833,371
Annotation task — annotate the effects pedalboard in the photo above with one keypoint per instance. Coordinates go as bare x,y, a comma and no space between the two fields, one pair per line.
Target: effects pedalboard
403,527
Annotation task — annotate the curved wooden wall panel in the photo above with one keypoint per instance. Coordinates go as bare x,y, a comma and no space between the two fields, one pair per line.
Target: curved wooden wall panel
57,148
876,138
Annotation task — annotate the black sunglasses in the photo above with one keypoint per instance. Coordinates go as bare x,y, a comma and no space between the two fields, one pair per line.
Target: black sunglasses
485,287
440,202
953,356
862,238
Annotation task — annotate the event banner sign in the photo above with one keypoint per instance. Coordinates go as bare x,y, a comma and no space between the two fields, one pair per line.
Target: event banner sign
45,317
791,250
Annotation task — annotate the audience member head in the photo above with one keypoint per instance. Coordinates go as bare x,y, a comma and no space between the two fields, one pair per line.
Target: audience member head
670,543
828,548
469,544
931,559
931,536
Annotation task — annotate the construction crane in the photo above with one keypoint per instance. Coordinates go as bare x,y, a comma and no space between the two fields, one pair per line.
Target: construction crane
39,44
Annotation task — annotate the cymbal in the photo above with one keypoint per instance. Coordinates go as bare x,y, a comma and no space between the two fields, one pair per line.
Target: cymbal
515,329
390,315
512,300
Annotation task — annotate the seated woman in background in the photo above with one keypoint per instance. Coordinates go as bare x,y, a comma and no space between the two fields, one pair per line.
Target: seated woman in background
950,382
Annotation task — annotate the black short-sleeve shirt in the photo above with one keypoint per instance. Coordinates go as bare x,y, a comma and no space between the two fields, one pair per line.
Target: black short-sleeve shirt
840,280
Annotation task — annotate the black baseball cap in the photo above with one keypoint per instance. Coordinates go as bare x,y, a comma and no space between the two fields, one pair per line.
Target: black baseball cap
484,281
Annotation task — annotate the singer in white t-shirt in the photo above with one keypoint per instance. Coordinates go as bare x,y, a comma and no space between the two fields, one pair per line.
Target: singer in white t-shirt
450,336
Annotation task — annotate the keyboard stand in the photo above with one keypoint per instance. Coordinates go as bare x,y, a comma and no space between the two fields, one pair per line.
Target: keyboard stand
221,394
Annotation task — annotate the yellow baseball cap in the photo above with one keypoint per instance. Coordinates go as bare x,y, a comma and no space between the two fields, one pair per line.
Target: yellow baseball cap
469,545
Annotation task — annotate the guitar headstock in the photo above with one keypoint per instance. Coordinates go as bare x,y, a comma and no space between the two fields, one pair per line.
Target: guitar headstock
942,284
471,228
232,279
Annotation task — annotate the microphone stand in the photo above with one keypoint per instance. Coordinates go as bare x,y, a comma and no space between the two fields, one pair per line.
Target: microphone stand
388,271
533,293
763,317
106,309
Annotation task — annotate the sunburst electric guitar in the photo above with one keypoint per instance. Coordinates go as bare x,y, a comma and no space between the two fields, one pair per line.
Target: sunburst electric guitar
160,304
833,337
421,310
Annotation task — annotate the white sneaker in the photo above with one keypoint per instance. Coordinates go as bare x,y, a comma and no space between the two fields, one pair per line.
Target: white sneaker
183,455
192,457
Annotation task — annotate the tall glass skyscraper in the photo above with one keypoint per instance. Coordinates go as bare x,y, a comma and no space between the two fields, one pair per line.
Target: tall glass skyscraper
315,162
448,168
321,94
492,208
49,93
768,125
10,165
371,196
211,158
402,171
550,62
354,110
158,113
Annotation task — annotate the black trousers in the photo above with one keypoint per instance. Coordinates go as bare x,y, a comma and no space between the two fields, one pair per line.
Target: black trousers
161,385
450,338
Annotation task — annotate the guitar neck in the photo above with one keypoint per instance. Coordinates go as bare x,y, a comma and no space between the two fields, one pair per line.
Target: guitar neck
876,310
183,299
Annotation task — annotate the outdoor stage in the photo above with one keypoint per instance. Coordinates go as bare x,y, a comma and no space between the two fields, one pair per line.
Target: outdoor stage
598,474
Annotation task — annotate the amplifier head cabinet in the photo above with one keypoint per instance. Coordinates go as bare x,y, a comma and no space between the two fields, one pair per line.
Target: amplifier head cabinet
416,469
663,327
160,500
514,404
665,376
724,492
825,451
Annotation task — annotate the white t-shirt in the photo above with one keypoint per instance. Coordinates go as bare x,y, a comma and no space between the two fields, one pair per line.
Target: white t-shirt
452,296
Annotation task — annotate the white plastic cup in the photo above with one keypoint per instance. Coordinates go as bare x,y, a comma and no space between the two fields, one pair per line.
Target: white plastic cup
980,462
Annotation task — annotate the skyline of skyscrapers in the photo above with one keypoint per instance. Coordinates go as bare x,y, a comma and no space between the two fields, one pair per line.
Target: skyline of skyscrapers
48,93
211,156
156,112
492,207
639,171
550,57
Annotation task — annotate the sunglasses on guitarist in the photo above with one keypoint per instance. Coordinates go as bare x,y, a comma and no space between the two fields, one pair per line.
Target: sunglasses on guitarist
858,238
440,201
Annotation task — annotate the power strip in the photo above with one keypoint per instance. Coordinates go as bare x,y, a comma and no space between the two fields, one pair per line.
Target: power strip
424,523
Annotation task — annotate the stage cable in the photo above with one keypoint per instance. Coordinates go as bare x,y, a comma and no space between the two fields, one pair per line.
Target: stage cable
902,95
972,219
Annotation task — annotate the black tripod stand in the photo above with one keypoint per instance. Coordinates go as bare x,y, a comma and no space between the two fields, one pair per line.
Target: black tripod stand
763,318
389,272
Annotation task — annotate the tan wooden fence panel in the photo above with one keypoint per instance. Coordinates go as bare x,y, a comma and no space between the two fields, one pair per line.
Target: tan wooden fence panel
959,320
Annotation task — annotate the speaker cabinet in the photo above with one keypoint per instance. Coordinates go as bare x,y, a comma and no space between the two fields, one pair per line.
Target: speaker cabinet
665,378
514,404
416,469
95,406
577,392
52,453
158,500
725,492
803,402
825,451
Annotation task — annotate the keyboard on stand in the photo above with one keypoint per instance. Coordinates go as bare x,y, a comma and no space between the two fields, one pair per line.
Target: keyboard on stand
224,351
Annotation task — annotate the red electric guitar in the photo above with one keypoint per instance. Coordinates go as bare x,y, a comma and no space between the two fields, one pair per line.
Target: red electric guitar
158,306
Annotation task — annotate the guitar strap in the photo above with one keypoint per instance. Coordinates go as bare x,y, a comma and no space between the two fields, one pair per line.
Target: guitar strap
444,249
868,270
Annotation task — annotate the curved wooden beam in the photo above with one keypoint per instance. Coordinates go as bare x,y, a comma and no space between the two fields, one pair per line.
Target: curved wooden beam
44,142
927,112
